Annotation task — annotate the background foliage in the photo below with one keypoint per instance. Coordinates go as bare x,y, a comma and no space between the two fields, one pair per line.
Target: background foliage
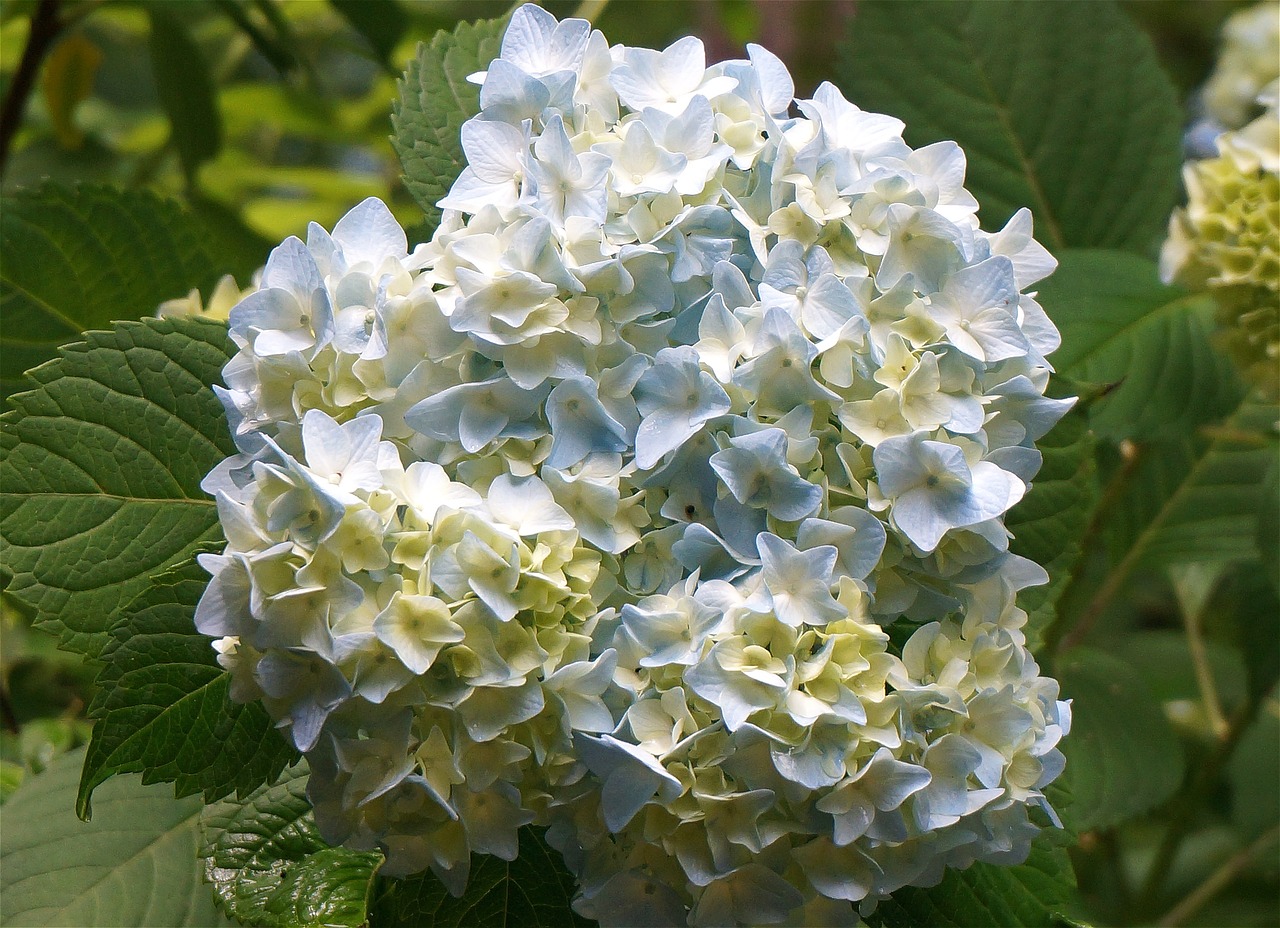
164,144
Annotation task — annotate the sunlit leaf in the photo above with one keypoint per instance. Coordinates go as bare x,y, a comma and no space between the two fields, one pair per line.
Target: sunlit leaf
270,867
101,470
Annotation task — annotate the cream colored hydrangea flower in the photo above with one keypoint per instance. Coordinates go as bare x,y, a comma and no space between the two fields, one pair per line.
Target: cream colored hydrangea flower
1250,61
1227,239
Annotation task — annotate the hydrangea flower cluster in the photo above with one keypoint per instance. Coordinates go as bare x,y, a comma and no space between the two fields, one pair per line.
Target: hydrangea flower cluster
1227,239
593,511
1249,61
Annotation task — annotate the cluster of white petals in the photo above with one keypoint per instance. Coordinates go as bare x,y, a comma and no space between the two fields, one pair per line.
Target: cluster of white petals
657,500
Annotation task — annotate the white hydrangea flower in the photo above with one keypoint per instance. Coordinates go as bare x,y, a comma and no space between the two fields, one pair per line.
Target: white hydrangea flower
591,511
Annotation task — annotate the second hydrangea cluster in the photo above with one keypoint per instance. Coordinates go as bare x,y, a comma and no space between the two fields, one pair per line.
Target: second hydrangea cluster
658,499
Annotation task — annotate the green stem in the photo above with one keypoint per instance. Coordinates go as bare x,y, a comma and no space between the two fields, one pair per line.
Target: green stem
1219,880
1191,620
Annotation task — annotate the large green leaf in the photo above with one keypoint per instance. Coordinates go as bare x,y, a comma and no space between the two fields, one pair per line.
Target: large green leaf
435,100
1048,522
270,867
533,891
101,470
1122,757
134,864
1040,892
81,259
1061,107
164,706
1123,328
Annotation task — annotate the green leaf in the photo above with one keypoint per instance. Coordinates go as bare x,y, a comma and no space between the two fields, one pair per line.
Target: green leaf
533,891
1123,758
186,90
381,22
1040,892
1121,326
134,864
1060,107
1048,523
1255,801
435,100
1197,498
101,471
80,259
164,708
270,867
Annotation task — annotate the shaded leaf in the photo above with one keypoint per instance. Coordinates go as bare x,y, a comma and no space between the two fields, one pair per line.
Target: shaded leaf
381,22
81,259
1198,497
1061,107
533,891
1123,759
1255,801
186,90
435,100
270,867
1121,326
134,864
164,706
101,470
1048,523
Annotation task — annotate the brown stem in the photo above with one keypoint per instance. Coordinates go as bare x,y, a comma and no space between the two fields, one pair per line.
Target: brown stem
45,28
1066,639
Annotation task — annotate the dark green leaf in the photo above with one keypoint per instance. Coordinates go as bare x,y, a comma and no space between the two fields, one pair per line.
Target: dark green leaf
81,259
1049,521
533,891
381,22
270,867
1122,757
134,864
164,708
1255,801
186,90
101,471
1040,892
1120,326
1061,107
269,47
435,100
1197,498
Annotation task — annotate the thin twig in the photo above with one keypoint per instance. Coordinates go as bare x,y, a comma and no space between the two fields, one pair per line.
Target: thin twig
1219,880
1187,803
1204,672
1115,489
45,28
